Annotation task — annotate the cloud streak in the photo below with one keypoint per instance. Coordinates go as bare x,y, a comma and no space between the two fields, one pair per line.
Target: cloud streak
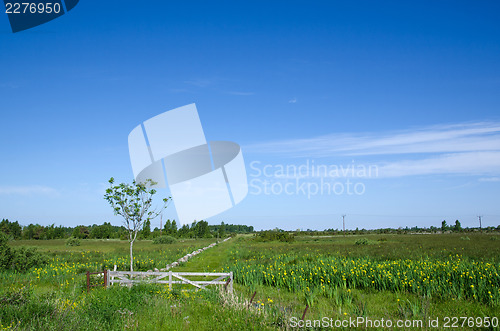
472,163
27,190
469,148
435,139
239,93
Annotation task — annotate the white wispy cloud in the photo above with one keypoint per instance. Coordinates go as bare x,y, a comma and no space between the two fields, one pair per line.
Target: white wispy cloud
178,90
27,190
489,179
468,148
294,100
199,82
470,163
239,93
435,139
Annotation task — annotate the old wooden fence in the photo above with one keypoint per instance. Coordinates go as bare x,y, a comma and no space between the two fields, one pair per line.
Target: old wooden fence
170,278
105,277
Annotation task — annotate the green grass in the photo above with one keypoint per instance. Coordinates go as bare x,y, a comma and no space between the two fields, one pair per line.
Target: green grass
480,247
211,260
54,297
266,267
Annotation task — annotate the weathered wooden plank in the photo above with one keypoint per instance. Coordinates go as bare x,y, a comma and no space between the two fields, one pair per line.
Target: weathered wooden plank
218,278
207,282
166,282
202,273
186,280
128,281
138,273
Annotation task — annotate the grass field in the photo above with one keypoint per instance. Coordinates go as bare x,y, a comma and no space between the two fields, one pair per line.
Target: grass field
394,277
391,277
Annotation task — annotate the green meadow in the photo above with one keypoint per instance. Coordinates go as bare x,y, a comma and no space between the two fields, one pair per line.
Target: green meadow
409,278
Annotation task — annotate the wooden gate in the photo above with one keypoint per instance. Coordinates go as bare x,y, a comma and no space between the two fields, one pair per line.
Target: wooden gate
170,278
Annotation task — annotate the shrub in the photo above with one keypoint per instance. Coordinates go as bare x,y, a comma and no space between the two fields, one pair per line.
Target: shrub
21,259
272,235
164,240
72,241
362,241
27,258
464,238
6,254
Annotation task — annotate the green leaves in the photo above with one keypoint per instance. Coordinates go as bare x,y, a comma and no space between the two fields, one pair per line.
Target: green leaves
133,202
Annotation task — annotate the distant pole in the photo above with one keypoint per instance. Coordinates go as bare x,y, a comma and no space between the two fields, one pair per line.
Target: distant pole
480,227
343,223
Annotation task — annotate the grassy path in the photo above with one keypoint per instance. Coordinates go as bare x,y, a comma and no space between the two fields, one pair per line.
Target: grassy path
211,260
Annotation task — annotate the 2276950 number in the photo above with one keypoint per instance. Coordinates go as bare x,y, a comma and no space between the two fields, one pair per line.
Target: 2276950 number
32,8
471,322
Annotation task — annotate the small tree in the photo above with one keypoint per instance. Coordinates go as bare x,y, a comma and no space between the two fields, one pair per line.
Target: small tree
133,202
222,230
458,226
81,232
174,228
146,229
444,226
168,227
202,230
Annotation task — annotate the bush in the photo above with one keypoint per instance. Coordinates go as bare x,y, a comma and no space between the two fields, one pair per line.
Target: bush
27,258
164,240
6,254
362,241
21,259
464,238
72,241
272,235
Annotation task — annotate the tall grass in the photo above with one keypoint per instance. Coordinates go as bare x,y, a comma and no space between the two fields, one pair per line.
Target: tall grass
322,266
455,278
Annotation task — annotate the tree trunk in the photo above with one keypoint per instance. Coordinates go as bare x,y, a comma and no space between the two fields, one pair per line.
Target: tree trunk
131,256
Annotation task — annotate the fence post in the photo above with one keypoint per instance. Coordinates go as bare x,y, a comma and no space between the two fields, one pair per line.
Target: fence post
106,278
88,281
305,311
112,278
170,280
231,283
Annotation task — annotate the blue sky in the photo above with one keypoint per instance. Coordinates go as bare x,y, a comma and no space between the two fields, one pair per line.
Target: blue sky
409,88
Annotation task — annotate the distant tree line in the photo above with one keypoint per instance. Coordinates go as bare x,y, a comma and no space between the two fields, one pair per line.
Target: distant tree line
444,228
199,229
